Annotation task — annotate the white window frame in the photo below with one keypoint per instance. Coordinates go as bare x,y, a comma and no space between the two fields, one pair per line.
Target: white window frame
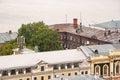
99,69
107,69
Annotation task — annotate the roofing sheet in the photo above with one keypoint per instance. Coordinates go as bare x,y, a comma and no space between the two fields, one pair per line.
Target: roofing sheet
114,37
4,37
78,77
51,57
102,49
109,24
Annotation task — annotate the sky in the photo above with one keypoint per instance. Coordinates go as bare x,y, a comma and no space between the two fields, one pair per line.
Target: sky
13,13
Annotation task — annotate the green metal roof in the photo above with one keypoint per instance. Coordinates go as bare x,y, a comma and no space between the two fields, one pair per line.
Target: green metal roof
109,24
102,49
4,37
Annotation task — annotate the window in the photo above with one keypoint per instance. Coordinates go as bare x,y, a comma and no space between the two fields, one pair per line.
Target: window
62,66
20,71
42,68
82,72
117,69
97,69
86,72
55,67
76,65
5,73
35,78
105,69
49,77
28,79
28,70
75,73
71,38
68,65
13,72
42,78
69,74
62,74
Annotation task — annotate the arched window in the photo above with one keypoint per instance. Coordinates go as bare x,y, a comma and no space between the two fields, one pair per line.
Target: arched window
97,69
105,69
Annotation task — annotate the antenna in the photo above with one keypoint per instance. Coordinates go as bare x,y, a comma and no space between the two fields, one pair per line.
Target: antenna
80,17
80,23
116,27
66,18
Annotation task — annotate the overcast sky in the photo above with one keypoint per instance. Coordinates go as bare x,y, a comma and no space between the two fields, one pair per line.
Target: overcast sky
13,13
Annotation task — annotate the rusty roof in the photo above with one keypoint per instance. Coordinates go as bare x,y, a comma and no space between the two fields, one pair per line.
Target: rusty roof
89,32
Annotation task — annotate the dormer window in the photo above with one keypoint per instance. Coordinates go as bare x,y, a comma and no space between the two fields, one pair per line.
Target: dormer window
96,51
42,68
5,73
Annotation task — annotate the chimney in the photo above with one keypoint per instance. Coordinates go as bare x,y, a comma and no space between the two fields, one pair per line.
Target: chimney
75,25
10,32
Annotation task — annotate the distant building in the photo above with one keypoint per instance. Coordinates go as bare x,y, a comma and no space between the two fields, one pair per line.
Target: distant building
43,65
6,37
72,36
114,24
78,77
101,60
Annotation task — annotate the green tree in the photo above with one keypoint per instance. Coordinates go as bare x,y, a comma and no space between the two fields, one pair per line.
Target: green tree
6,49
39,34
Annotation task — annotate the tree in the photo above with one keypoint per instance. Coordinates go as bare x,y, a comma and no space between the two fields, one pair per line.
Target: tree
6,49
39,34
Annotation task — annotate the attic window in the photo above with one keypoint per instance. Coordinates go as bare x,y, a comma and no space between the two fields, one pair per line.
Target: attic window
119,40
93,37
96,51
42,68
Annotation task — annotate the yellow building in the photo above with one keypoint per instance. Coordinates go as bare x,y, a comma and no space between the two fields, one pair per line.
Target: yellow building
43,65
103,60
107,65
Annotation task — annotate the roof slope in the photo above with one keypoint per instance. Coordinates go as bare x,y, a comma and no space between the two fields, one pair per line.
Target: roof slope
109,24
78,77
4,37
102,49
51,57
89,32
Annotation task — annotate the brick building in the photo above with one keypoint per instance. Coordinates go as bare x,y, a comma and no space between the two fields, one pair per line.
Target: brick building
73,35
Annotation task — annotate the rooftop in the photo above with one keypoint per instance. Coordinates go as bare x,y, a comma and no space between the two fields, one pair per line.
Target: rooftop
78,77
102,49
113,37
4,37
109,25
51,57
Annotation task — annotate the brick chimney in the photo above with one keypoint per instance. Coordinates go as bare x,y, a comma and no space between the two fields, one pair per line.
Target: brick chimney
75,24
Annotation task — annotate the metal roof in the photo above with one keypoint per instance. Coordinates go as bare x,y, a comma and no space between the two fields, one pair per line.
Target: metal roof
90,31
102,49
78,77
50,57
4,37
109,24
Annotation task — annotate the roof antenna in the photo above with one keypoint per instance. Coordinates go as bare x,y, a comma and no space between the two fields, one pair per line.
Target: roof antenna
66,19
80,23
